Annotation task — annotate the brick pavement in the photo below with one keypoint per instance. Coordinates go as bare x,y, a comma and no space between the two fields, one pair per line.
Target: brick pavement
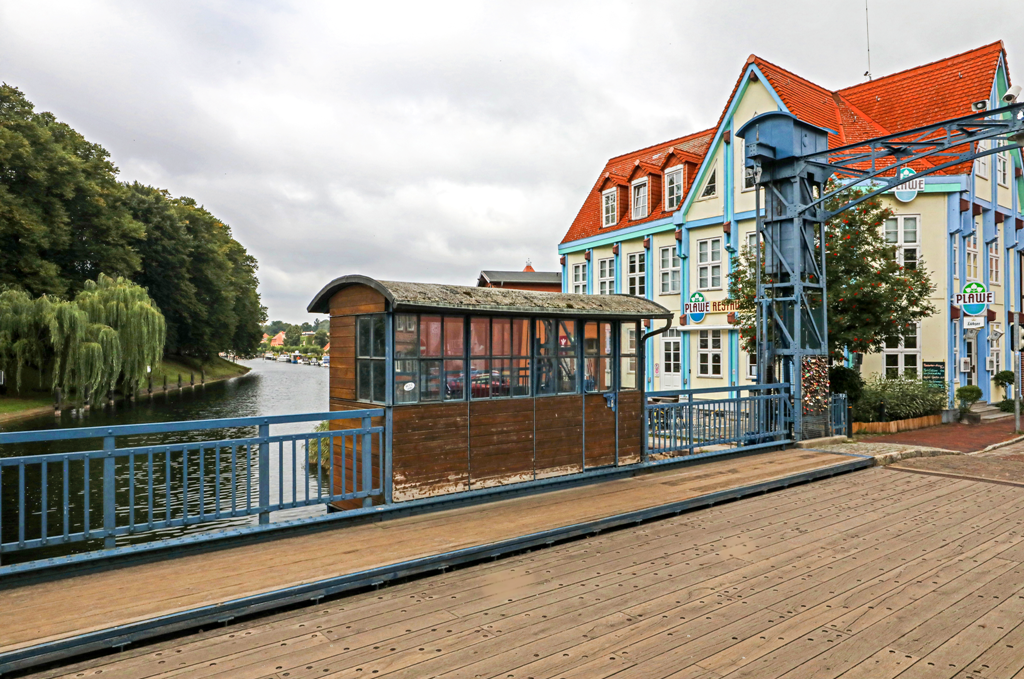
964,438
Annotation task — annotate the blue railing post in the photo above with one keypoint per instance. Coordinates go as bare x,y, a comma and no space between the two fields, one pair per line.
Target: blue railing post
264,473
689,423
367,461
109,490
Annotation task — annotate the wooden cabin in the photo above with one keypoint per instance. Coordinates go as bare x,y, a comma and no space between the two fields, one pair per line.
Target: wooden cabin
487,386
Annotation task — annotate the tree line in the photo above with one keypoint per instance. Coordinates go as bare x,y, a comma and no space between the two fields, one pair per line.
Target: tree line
65,219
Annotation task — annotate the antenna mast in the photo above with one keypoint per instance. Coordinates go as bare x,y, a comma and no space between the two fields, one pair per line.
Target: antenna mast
867,30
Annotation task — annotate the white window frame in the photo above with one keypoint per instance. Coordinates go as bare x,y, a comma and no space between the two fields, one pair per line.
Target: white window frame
971,270
895,358
902,243
955,257
994,268
752,365
609,218
606,276
981,164
669,275
1002,168
579,278
631,350
706,267
994,347
709,347
640,210
752,240
673,180
713,174
636,274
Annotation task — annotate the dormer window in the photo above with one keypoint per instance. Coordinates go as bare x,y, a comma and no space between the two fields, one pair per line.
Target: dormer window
608,208
673,189
640,199
711,186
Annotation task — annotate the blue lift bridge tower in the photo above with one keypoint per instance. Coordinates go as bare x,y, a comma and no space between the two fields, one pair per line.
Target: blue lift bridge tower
790,163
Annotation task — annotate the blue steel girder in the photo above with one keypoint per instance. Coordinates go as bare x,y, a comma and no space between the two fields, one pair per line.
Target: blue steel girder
791,161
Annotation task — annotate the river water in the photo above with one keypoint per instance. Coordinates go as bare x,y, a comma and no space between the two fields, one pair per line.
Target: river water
270,388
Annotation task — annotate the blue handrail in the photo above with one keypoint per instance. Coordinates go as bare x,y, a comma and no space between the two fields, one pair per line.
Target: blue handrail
63,498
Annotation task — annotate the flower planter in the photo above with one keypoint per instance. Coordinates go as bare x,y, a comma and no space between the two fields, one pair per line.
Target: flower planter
896,425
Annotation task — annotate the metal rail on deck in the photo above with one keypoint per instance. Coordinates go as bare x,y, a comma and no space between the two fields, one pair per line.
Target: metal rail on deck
65,498
717,419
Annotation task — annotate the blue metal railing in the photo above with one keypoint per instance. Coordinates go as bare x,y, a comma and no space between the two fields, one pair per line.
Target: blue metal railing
837,415
725,418
63,498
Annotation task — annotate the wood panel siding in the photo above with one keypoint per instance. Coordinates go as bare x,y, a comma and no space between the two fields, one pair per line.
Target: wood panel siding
343,357
599,432
430,450
357,299
344,467
559,445
631,413
501,442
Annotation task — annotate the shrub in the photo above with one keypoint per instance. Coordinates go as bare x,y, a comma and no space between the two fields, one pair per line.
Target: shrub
843,380
967,396
1004,378
1006,405
904,398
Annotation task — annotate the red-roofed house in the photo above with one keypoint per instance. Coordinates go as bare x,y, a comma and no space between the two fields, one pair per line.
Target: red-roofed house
278,340
662,222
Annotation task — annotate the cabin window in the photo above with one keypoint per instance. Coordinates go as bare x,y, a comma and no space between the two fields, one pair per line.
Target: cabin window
490,363
606,276
627,361
556,359
407,344
370,342
598,357
640,200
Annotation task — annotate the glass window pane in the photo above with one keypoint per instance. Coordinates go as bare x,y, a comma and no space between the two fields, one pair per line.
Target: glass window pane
365,331
892,233
501,383
716,250
606,339
454,342
566,337
716,276
892,360
892,342
567,375
597,375
716,364
703,339
480,337
405,381
910,229
501,336
430,380
406,338
430,335
546,340
716,339
479,379
545,375
454,380
520,377
591,341
378,336
377,375
520,337
910,339
363,392
702,251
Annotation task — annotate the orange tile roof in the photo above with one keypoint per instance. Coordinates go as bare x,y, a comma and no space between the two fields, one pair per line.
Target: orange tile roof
905,100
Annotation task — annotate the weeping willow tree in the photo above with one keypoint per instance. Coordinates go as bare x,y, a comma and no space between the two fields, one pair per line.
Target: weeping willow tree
105,337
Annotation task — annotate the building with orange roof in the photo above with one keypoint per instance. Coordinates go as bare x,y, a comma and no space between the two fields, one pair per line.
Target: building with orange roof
663,222
527,279
278,340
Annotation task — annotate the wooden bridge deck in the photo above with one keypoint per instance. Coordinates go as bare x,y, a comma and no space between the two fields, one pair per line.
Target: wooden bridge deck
52,611
876,574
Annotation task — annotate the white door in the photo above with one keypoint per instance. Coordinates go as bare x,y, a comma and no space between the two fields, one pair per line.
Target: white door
671,364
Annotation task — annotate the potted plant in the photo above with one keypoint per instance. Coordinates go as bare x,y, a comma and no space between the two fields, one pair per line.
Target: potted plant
967,396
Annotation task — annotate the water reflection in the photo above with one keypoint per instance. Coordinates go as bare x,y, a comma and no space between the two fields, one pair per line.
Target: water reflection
155,484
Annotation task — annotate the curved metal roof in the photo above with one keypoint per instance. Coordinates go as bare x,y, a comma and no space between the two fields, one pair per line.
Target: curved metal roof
437,297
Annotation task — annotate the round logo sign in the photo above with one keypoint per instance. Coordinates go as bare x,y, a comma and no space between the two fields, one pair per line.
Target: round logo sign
696,307
974,299
908,191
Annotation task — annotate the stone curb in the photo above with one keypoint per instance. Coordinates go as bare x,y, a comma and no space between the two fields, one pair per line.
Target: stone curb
994,446
886,459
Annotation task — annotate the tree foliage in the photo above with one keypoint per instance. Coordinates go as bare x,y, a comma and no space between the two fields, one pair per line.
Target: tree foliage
871,297
65,218
107,336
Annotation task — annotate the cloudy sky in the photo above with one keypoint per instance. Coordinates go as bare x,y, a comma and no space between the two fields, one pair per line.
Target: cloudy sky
428,140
